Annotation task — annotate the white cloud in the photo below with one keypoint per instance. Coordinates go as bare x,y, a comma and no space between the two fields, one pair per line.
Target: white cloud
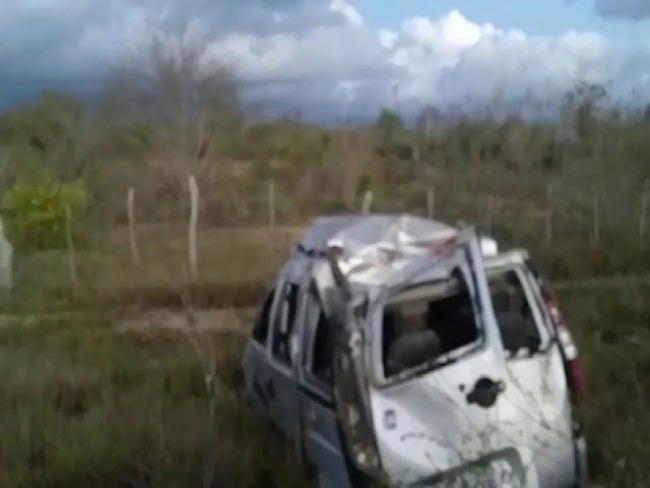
316,53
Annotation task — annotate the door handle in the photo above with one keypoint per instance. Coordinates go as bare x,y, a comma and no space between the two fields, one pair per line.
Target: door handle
485,392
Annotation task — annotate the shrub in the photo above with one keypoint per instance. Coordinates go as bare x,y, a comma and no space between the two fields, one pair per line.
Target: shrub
36,212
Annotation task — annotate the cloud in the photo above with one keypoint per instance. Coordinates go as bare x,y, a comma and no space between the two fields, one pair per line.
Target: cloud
315,55
624,9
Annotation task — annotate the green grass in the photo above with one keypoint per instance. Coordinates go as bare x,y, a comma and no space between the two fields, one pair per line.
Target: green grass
234,267
84,405
612,328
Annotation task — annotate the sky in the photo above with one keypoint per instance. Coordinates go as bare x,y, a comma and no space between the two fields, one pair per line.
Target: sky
341,57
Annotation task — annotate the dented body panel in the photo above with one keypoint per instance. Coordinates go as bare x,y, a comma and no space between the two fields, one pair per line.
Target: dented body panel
418,353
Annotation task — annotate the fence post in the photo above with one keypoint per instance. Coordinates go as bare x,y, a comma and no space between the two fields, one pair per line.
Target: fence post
644,209
6,260
191,231
366,204
72,265
271,202
596,209
430,202
130,198
488,217
549,213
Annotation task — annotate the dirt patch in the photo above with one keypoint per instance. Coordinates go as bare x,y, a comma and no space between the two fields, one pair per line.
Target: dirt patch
237,319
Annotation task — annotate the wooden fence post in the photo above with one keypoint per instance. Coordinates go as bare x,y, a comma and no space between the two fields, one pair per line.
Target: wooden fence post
135,253
549,213
488,217
192,228
644,209
72,265
6,261
430,202
366,204
271,202
596,209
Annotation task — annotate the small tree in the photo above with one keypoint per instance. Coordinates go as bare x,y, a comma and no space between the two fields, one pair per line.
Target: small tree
391,136
389,126
37,212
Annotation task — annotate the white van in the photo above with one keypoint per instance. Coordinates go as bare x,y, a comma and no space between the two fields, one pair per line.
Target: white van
401,350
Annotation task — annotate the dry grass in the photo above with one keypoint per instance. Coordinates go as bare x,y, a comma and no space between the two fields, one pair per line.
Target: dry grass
235,266
65,381
85,404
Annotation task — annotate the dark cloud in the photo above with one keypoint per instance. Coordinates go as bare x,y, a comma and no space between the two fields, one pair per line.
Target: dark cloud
82,35
624,9
312,54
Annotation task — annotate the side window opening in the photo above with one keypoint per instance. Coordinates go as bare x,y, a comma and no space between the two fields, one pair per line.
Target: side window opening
284,322
514,313
427,323
539,291
322,352
261,327
319,345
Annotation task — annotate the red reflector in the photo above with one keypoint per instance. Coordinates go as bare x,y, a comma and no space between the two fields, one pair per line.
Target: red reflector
576,376
577,379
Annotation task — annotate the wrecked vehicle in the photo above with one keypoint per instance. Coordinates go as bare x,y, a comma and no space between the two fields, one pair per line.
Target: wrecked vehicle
393,348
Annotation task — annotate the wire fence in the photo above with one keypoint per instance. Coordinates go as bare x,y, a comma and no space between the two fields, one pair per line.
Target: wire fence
205,237
562,213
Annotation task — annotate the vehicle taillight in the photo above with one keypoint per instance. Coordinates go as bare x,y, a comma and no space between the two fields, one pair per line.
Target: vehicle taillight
574,371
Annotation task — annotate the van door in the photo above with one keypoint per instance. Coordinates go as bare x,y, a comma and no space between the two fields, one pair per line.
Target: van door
280,384
255,361
444,422
321,432
351,397
542,390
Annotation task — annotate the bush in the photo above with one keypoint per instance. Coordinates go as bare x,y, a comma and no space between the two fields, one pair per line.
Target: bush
36,212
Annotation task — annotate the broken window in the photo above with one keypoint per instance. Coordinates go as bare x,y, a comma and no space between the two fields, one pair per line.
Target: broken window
321,365
283,323
514,312
425,323
261,327
318,361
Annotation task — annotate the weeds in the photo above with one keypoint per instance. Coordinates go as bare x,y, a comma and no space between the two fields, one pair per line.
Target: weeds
612,328
84,405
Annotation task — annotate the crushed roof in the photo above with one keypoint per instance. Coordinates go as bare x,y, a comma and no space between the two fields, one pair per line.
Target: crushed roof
378,249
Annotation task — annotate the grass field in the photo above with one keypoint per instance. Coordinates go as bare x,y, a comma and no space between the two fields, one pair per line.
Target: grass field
85,403
612,327
98,399
234,267
114,396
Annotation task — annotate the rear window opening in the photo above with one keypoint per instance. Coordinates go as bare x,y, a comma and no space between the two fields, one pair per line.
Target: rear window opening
514,313
427,325
430,324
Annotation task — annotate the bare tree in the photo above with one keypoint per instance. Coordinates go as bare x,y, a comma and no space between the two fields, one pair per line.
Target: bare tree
185,103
